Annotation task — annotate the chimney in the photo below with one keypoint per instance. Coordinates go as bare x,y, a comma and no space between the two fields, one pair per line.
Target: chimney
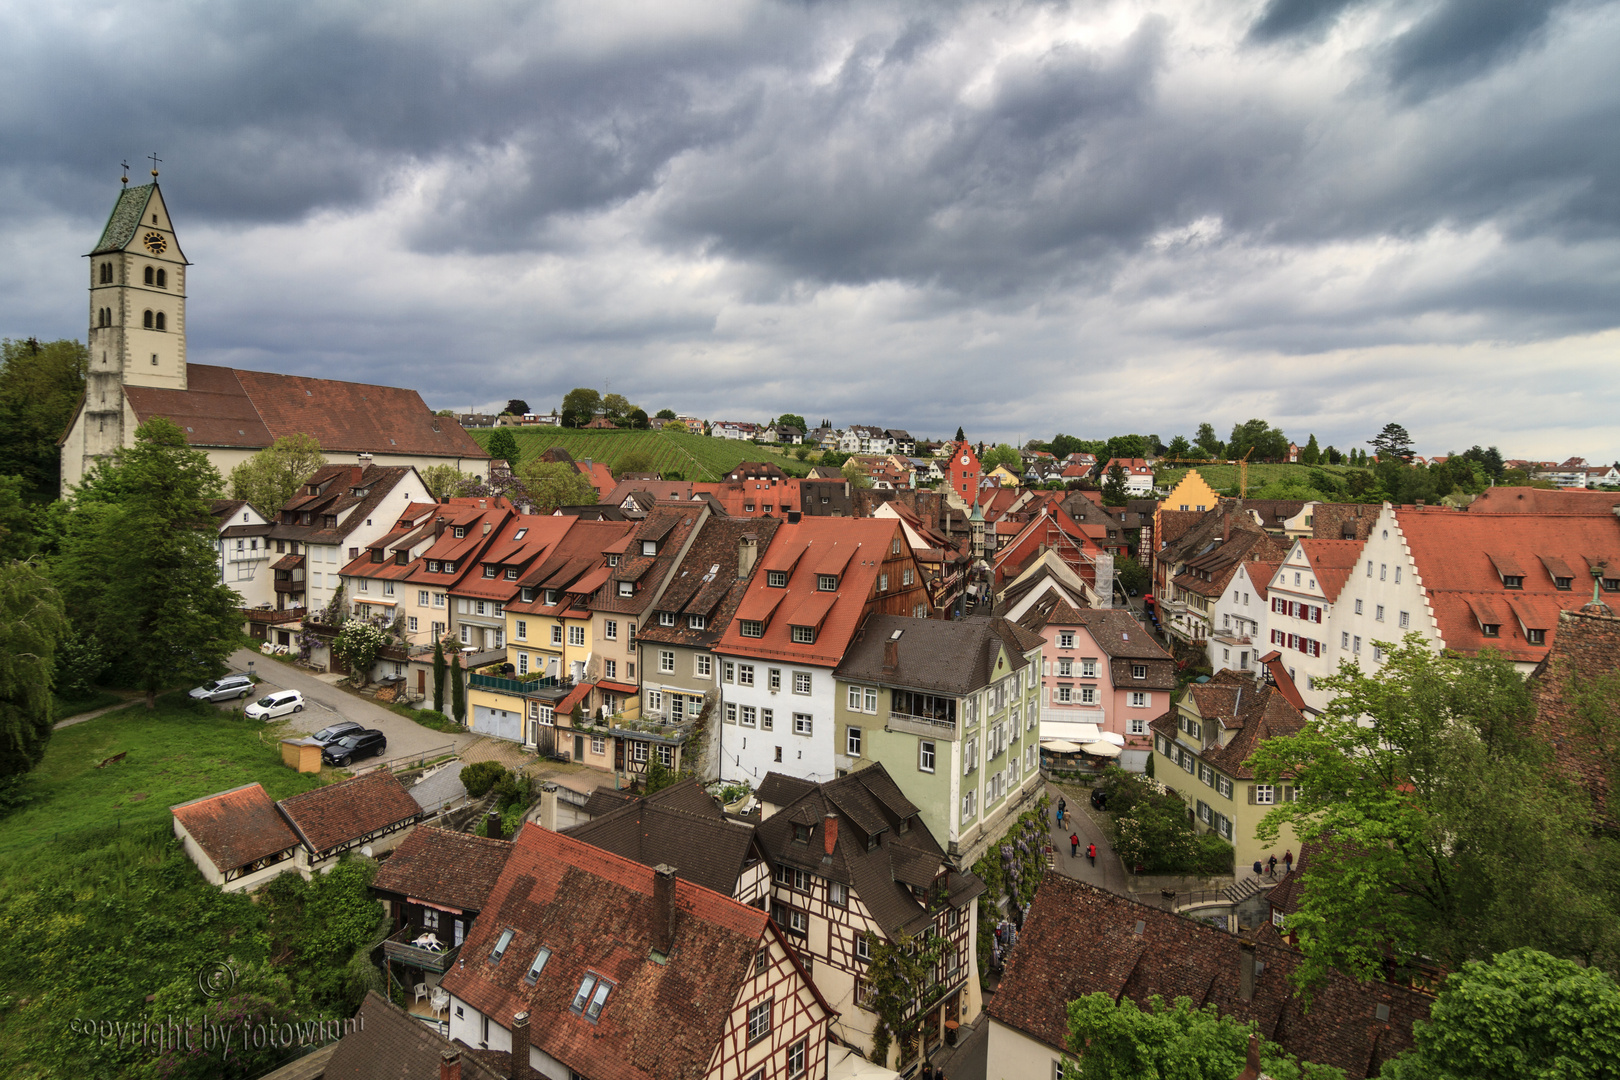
747,554
365,461
518,1060
1246,970
663,908
891,654
450,1065
830,831
1251,1065
548,807
492,825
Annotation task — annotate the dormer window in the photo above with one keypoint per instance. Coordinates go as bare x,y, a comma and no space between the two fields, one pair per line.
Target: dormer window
695,622
776,579
460,532
801,833
804,635
649,547
401,558
827,582
1512,581
751,628
511,573
1491,629
1536,637
551,597
491,571
449,567
376,555
527,595
613,560
666,618
433,566
1563,583
627,588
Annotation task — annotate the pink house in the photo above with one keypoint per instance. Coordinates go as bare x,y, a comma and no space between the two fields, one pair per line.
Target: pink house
1103,678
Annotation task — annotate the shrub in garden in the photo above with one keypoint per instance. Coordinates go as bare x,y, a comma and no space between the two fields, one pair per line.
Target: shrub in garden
480,776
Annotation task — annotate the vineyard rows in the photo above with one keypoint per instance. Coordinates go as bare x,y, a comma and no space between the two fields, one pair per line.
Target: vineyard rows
693,457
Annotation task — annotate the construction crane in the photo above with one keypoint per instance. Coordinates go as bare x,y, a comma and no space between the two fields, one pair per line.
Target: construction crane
1243,475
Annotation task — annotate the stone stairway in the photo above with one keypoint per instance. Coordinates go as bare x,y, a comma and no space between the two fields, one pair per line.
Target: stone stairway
1248,887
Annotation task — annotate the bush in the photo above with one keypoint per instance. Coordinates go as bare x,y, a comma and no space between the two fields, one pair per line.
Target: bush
480,776
1212,856
512,791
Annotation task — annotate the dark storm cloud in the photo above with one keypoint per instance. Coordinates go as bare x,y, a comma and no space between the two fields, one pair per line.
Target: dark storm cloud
1461,38
1287,18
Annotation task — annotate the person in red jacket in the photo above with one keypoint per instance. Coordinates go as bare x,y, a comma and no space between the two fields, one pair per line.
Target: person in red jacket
1091,853
1074,844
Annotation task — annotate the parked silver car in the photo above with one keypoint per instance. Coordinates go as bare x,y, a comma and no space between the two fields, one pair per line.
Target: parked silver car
231,686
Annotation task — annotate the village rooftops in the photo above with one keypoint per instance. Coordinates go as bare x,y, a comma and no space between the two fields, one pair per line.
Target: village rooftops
444,868
956,657
333,817
680,826
654,550
1247,713
583,550
236,828
710,581
1079,940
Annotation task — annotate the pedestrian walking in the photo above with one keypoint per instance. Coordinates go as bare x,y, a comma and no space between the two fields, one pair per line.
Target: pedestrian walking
1063,804
1271,865
1074,844
1288,860
1091,853
1060,817
1258,868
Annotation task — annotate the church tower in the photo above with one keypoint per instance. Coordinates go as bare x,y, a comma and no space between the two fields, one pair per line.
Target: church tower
137,318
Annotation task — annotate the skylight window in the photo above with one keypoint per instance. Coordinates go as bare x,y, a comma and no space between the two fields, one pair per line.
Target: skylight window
584,994
520,534
500,945
538,966
592,995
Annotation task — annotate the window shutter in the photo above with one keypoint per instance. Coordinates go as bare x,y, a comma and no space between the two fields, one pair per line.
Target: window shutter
1251,793
1287,794
1046,667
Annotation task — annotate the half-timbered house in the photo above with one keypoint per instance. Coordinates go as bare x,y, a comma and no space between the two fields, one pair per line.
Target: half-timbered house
372,810
854,865
237,838
591,965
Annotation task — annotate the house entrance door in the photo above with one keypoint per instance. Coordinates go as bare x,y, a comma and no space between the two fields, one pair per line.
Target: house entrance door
579,748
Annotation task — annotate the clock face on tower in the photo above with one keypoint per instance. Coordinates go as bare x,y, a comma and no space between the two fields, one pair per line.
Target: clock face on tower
155,243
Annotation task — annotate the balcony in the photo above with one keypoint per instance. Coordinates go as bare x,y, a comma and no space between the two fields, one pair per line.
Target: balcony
397,946
926,726
519,686
289,586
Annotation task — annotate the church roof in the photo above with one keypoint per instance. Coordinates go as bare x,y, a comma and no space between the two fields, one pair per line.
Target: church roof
251,409
126,216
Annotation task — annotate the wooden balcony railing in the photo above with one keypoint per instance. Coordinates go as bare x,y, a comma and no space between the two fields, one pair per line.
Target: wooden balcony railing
397,946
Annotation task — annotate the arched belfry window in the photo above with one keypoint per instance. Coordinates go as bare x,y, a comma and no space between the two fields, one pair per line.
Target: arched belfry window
146,320
149,275
106,273
163,279
161,322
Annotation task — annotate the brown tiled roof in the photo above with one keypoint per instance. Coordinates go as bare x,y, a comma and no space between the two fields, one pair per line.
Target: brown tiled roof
594,911
697,588
444,867
867,803
328,816
1343,521
387,1044
1079,940
1527,500
955,657
1252,711
669,525
232,407
680,826
236,827
1586,649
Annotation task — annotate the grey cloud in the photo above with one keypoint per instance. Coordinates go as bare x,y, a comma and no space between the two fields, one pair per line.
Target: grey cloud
1289,18
1461,38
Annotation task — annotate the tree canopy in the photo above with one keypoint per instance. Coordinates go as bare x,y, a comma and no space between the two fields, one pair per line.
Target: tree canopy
442,480
1311,452
551,484
1266,442
40,386
1179,447
637,419
1522,1015
139,567
1208,442
31,624
855,473
791,420
516,407
1392,442
616,406
1121,1041
503,445
1114,490
274,475
579,406
1002,454
1440,830
665,414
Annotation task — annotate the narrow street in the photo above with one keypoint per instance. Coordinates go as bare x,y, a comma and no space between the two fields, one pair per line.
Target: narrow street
1107,874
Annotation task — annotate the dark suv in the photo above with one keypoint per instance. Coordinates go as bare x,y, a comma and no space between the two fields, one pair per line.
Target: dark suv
354,746
329,735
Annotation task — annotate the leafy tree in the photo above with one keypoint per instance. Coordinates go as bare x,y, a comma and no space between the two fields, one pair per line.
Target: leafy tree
792,420
638,419
1208,443
1266,442
855,474
359,644
673,425
1411,861
1120,1041
802,453
1521,1014
442,480
959,435
1179,446
658,777
516,407
31,624
551,484
80,664
1392,442
1114,491
898,975
274,475
1332,455
16,523
666,414
1130,446
1002,454
1311,454
1489,460
503,445
579,406
637,460
139,567
616,406
1132,574
40,386
438,675
458,689
445,412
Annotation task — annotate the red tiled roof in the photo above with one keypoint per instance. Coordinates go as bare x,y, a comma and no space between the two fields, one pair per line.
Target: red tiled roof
444,867
231,407
1526,500
1079,940
327,816
576,554
856,546
236,827
1458,555
1332,561
594,911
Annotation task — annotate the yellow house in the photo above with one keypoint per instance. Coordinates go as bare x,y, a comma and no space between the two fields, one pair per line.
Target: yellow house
1003,476
1200,751
1192,492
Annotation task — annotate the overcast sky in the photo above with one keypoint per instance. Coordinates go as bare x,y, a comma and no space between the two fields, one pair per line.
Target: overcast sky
1023,218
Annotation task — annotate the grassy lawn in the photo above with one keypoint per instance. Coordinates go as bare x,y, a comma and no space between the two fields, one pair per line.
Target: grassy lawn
1225,477
107,909
695,457
63,707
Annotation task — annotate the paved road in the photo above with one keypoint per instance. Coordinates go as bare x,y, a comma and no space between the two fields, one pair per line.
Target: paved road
326,704
1107,874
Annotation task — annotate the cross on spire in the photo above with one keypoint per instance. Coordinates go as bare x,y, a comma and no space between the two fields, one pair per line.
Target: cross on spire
124,176
155,161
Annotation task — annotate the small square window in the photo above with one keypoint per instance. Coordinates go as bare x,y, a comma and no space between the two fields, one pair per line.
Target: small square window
852,742
627,588
776,579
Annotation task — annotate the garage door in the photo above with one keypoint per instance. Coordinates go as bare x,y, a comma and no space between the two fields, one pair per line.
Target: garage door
498,722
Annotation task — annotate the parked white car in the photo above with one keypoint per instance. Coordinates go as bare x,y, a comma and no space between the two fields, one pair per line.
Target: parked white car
280,703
